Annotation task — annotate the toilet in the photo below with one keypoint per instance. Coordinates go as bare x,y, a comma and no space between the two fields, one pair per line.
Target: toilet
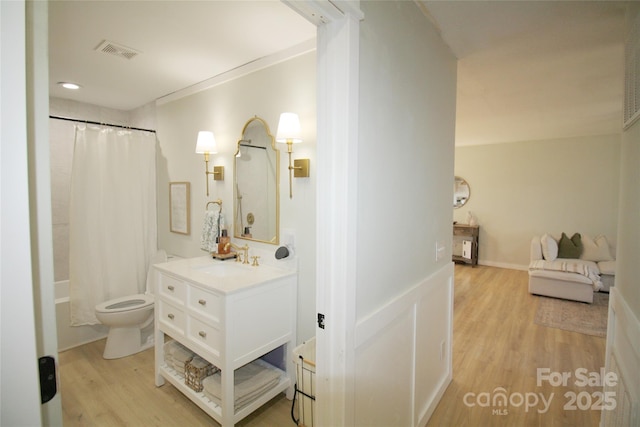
130,319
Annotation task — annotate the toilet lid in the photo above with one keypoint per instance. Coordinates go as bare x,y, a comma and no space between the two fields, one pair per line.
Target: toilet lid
127,303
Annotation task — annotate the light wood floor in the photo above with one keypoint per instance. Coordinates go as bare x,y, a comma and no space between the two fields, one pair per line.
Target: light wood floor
496,344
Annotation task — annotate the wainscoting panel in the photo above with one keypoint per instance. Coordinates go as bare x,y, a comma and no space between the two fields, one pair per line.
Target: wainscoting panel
403,355
623,359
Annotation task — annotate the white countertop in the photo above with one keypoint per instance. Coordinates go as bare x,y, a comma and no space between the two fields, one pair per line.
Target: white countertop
226,276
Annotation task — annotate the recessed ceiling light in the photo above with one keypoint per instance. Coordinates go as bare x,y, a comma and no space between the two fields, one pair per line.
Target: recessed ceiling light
68,85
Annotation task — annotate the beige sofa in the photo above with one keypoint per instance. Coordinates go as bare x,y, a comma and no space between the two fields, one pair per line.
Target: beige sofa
571,278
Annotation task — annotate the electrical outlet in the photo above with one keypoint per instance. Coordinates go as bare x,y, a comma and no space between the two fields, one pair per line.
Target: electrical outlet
289,237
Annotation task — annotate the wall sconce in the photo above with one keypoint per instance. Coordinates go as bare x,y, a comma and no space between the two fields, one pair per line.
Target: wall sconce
289,133
206,145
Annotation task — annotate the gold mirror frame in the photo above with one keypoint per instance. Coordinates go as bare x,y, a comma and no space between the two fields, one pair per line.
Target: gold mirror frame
461,192
241,214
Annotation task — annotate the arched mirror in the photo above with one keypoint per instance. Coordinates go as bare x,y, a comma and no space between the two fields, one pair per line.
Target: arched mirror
256,190
461,192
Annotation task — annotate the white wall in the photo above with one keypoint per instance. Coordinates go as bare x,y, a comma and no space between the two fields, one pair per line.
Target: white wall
623,329
405,169
224,109
19,385
523,189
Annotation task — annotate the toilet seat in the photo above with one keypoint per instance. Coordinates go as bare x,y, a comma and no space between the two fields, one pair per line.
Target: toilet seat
128,303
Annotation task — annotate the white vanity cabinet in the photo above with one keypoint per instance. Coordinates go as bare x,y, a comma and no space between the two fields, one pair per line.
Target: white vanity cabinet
229,315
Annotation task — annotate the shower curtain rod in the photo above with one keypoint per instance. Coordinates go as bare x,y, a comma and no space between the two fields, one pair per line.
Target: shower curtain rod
90,122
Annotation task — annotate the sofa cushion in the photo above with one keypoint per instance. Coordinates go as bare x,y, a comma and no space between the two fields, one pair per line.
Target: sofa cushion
570,247
607,267
595,250
549,247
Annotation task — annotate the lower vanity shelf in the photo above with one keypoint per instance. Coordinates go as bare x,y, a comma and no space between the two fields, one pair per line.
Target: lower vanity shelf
212,408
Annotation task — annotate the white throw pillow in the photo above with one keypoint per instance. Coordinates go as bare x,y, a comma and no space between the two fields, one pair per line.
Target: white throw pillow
549,247
595,250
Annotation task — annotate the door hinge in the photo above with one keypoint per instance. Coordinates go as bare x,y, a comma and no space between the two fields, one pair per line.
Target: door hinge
48,382
320,320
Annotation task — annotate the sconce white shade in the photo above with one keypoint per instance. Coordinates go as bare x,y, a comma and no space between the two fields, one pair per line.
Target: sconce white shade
289,128
206,143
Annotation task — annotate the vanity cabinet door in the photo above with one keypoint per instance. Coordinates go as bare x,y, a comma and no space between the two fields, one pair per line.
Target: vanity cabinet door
172,289
171,317
206,304
205,336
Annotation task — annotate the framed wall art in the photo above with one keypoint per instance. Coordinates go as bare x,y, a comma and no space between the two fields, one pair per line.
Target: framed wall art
179,213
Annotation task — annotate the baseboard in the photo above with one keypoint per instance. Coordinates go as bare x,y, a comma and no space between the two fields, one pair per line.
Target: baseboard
504,265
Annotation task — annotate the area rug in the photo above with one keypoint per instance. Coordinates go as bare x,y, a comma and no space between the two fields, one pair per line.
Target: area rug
589,319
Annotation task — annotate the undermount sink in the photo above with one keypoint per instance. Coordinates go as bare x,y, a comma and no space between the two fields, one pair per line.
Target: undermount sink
223,269
223,276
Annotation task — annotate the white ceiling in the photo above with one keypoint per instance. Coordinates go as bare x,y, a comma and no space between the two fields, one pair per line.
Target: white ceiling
181,43
535,70
527,70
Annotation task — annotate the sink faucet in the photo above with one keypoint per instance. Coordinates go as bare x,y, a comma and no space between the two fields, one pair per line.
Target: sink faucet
245,249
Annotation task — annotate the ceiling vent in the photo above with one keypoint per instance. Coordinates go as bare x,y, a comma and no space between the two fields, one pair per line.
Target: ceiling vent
117,49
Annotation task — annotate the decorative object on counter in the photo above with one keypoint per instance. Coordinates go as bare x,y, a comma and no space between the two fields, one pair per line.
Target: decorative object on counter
461,192
229,255
179,214
206,144
282,252
211,227
257,184
224,246
471,219
289,133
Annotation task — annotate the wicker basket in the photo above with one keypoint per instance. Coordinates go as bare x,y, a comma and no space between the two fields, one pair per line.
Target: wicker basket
197,370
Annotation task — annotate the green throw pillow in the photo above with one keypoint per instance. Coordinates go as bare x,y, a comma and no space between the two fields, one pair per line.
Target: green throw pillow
570,248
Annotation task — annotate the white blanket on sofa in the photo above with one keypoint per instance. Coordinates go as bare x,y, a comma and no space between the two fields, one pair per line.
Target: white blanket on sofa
586,268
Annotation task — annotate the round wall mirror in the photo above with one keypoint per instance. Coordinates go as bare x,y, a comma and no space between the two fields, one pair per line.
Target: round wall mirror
256,192
461,192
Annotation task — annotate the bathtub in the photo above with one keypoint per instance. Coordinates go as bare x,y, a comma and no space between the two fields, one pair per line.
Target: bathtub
73,336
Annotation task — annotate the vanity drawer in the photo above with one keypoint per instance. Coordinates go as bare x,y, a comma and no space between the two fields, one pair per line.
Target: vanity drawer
205,335
205,303
171,316
172,288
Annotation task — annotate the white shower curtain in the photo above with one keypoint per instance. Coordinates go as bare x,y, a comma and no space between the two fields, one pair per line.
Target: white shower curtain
112,217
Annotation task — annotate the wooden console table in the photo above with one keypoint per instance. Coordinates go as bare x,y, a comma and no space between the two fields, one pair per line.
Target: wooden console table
470,233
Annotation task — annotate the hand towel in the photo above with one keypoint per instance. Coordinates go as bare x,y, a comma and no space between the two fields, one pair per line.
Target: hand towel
213,223
209,231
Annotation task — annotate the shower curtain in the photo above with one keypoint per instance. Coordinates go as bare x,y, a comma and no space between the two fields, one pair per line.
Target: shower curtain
112,217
